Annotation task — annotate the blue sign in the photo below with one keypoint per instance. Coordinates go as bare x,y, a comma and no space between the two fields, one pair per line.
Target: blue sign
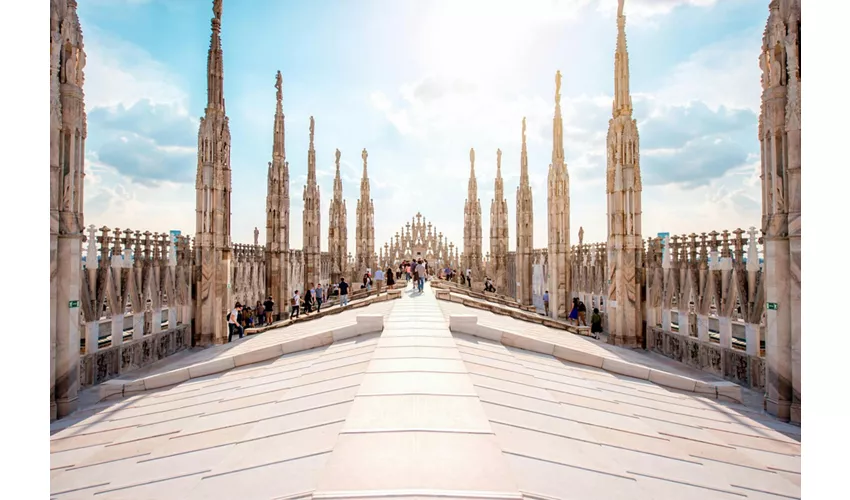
664,236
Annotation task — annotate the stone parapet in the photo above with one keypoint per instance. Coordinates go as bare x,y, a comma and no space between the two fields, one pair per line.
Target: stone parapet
102,365
729,363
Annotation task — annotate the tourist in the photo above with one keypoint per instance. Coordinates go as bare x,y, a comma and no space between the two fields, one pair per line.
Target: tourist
469,277
233,320
247,317
268,308
596,323
414,270
420,272
574,312
343,292
390,279
367,282
488,285
582,313
320,297
379,279
296,303
260,312
546,302
308,299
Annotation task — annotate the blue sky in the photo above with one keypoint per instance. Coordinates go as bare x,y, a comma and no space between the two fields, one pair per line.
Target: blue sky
418,84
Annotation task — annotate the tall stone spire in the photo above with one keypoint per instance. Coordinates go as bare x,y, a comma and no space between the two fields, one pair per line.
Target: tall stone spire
499,231
558,202
338,229
625,324
213,187
524,227
215,63
365,232
472,225
277,208
67,171
781,162
312,219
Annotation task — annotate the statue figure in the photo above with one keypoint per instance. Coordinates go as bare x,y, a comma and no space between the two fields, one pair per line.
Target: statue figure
775,71
620,9
364,155
312,129
337,158
498,157
523,129
256,236
278,84
558,87
581,229
217,9
472,156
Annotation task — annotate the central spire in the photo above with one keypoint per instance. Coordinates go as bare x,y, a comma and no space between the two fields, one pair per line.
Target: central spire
557,125
311,155
523,162
622,98
215,63
279,147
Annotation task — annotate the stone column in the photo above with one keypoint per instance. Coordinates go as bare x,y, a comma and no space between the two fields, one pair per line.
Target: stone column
702,298
667,270
172,289
753,322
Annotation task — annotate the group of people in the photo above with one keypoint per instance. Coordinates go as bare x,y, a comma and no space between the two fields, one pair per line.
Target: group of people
313,297
240,318
416,270
578,315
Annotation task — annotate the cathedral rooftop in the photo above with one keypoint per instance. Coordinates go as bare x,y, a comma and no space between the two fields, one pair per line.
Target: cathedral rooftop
392,401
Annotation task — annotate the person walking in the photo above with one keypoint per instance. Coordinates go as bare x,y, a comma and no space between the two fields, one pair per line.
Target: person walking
574,312
234,320
420,271
546,302
268,308
343,292
596,323
390,278
379,279
308,300
296,304
582,313
320,297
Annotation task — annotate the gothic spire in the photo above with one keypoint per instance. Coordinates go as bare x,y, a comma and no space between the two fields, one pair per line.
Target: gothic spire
523,162
311,155
473,184
279,148
364,155
499,182
622,98
557,125
215,64
338,178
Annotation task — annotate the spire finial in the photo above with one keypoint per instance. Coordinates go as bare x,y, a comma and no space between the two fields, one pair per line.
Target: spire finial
312,131
499,162
523,132
278,84
620,8
472,158
558,87
364,155
338,154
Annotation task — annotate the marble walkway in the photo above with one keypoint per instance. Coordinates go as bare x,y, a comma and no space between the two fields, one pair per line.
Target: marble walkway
417,411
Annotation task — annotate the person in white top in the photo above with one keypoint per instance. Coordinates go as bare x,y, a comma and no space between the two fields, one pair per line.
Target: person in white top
379,280
469,277
296,303
233,322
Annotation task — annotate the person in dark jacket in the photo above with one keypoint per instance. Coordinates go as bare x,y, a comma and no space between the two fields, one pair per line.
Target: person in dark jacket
596,323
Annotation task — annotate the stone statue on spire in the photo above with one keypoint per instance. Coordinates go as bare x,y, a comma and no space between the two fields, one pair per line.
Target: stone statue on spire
620,8
217,9
472,157
364,155
338,154
279,86
558,86
523,130
498,158
312,130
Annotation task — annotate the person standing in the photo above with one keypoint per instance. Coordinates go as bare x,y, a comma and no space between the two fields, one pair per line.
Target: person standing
420,271
379,279
574,312
469,277
546,302
268,307
234,322
320,297
261,313
582,313
596,323
296,303
343,292
308,300
390,278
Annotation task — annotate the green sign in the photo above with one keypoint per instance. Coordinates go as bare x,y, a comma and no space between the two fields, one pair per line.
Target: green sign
73,303
772,306
609,282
